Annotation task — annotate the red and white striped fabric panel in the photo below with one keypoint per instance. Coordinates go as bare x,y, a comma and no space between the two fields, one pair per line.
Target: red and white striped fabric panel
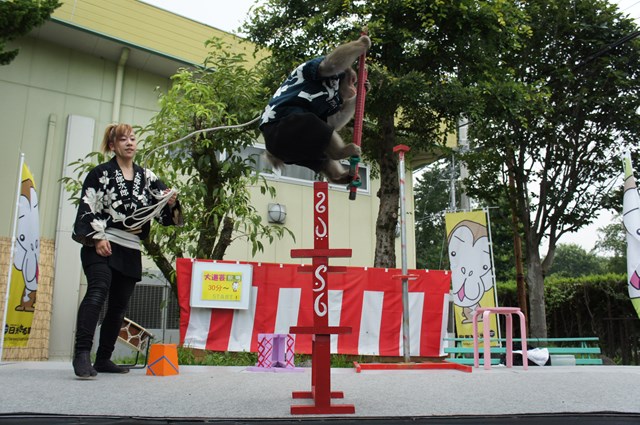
369,300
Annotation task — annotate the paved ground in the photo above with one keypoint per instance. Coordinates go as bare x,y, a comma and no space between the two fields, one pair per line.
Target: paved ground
49,391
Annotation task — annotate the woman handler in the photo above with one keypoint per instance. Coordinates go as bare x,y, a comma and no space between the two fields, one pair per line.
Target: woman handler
117,202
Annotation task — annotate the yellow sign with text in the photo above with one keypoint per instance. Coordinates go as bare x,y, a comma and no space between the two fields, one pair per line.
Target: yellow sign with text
221,286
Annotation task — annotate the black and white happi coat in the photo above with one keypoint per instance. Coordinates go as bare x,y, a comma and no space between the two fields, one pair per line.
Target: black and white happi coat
107,203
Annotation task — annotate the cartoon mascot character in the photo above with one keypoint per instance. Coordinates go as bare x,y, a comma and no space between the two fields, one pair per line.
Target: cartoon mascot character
470,266
28,245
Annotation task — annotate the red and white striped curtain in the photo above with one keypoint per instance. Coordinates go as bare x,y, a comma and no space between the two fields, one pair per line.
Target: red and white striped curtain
369,300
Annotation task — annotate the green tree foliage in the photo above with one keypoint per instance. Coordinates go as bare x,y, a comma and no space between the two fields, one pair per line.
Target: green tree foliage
574,261
431,200
612,242
17,18
504,260
554,121
424,66
210,169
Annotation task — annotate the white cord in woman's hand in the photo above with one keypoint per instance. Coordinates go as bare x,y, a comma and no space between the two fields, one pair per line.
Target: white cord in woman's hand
174,197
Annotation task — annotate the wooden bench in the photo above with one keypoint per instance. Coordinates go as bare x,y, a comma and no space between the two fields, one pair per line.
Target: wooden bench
585,350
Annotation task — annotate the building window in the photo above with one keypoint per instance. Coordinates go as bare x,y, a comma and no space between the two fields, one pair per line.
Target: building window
300,175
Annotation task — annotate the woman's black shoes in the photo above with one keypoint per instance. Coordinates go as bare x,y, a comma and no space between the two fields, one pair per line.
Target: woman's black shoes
107,366
82,365
83,369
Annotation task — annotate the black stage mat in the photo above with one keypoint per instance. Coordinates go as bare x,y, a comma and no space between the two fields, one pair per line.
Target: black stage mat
608,418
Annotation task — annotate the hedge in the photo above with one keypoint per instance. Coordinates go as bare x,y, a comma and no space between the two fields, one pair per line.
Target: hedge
596,305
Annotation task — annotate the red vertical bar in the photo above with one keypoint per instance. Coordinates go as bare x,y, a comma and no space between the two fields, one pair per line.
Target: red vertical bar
321,264
360,100
358,118
321,215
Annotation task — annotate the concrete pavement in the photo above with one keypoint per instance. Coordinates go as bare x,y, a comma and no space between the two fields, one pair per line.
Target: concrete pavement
234,393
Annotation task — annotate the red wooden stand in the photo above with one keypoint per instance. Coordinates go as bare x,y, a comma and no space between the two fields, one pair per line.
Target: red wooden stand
321,341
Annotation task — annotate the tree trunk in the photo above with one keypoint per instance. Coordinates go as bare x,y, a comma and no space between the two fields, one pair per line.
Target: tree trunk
535,280
224,240
209,170
389,194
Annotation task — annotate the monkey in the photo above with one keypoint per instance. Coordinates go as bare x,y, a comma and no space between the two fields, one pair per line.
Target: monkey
300,124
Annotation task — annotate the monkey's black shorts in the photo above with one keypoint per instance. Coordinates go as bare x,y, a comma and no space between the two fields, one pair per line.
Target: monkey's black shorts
300,139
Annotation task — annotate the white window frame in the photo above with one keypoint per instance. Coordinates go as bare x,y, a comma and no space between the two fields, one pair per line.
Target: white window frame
276,175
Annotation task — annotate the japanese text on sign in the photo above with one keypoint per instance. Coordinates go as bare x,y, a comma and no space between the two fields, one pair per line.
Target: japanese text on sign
221,286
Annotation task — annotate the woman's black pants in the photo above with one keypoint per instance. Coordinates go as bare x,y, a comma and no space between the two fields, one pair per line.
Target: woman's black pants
103,283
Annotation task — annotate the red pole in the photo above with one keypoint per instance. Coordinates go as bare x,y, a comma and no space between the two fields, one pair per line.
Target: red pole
357,123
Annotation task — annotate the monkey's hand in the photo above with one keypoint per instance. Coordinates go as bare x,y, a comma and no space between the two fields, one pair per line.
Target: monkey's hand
343,56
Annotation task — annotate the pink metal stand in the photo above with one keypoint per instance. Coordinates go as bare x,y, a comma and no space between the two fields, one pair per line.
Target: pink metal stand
321,341
276,353
508,312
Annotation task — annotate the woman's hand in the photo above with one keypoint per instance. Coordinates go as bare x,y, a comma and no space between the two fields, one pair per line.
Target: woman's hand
173,199
103,247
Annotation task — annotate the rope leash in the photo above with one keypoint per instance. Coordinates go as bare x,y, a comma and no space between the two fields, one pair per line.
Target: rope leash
205,130
145,214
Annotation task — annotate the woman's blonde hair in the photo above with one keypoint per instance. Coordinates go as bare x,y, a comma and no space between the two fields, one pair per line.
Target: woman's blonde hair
112,133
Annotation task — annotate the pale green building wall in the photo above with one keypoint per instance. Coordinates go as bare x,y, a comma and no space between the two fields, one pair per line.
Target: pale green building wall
46,83
49,82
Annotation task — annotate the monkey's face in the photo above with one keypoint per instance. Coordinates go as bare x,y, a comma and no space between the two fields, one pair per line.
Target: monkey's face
348,84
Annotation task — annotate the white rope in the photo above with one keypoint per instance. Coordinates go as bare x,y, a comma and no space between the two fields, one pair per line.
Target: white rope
142,215
205,130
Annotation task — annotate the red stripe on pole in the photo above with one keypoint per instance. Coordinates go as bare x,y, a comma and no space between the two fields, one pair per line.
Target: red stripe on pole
360,100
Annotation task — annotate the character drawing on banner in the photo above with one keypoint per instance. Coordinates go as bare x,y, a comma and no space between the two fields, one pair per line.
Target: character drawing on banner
470,266
631,220
234,286
27,247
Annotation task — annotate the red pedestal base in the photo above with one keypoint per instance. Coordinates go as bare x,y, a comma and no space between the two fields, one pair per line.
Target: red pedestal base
321,376
323,410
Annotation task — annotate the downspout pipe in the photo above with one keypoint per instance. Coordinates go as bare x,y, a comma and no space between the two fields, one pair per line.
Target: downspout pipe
117,92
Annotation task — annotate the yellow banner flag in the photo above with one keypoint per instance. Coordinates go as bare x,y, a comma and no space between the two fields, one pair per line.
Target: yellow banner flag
472,277
25,269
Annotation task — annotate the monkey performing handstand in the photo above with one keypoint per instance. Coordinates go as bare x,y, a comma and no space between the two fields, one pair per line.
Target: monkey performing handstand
301,121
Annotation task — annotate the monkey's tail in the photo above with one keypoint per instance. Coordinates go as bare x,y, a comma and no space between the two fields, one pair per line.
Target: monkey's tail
275,162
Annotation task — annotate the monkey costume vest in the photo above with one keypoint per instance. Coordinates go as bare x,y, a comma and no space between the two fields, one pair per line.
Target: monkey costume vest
294,123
